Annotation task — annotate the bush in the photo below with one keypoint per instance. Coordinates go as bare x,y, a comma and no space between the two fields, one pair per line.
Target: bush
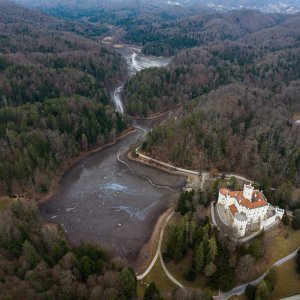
271,279
285,219
190,275
152,292
255,249
296,224
250,292
226,283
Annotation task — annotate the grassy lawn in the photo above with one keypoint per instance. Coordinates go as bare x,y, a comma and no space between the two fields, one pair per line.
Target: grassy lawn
158,276
288,281
280,242
297,116
5,202
177,270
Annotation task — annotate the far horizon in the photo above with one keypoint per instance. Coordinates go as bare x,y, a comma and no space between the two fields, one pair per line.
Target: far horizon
268,6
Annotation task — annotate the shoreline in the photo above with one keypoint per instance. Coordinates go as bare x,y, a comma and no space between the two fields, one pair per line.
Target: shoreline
154,165
74,161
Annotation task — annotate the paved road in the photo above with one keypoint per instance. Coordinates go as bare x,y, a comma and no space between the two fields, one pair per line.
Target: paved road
241,288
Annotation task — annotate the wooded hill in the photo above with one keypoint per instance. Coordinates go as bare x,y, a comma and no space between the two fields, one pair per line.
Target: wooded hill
40,60
166,37
54,85
239,98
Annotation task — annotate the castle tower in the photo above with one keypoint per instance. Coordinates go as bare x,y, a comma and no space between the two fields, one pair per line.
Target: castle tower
248,191
239,224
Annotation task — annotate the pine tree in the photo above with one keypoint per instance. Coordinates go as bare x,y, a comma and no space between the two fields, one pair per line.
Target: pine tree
152,292
128,283
212,250
199,258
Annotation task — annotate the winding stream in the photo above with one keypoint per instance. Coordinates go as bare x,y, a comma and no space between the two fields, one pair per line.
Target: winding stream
136,62
106,199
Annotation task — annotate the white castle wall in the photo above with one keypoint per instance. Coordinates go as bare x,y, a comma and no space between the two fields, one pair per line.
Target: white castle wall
240,227
253,215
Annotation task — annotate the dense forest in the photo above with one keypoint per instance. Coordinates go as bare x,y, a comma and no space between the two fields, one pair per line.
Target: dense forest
238,91
54,96
35,139
37,262
39,60
167,37
239,99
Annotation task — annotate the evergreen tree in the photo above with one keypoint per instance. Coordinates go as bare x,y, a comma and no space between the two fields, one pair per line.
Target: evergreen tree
152,292
30,253
271,279
199,258
212,250
262,291
128,283
250,292
210,269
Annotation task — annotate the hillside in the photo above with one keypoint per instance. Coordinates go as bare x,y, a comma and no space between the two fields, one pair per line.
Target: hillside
167,37
239,98
39,61
54,88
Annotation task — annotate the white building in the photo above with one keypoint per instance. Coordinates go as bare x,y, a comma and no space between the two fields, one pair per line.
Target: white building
248,207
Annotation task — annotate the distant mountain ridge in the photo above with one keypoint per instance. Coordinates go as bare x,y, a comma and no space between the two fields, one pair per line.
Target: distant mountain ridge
268,6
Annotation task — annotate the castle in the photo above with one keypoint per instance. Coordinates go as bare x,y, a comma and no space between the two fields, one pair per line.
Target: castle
248,207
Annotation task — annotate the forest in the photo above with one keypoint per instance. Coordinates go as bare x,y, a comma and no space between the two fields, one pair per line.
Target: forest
54,97
36,139
238,102
40,60
37,262
166,37
235,78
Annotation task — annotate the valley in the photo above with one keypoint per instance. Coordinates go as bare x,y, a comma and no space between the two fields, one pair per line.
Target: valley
146,147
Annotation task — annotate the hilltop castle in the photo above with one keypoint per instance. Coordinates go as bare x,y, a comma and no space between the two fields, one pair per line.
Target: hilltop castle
248,208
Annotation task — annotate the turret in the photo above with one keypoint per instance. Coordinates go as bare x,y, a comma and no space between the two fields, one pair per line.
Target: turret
248,191
240,224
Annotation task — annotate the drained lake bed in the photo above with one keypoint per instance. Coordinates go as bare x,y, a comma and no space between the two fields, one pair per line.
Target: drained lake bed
108,200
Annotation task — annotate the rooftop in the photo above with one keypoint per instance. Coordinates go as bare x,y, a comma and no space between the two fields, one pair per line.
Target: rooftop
258,198
233,209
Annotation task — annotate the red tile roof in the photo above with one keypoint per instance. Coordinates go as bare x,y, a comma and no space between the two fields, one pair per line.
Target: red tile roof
233,209
258,198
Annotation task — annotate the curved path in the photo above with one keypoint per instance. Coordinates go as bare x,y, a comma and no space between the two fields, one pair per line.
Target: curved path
158,254
241,288
203,174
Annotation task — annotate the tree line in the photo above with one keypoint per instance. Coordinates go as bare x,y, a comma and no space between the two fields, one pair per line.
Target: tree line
36,139
227,90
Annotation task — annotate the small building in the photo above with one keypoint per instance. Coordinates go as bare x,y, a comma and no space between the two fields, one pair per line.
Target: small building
248,207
